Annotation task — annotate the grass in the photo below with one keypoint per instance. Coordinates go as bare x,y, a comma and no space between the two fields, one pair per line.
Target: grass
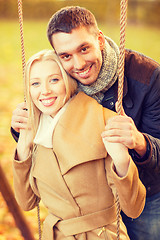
144,39
140,38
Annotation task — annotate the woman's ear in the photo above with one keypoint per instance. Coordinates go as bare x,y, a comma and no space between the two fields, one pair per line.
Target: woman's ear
101,40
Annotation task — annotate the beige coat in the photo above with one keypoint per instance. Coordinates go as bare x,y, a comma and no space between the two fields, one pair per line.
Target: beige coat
76,179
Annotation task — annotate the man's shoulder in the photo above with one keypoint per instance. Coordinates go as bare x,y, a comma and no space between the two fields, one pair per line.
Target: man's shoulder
139,66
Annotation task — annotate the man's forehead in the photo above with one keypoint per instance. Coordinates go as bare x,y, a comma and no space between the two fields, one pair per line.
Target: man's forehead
64,42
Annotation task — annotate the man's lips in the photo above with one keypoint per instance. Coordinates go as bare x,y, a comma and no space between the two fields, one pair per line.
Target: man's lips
84,73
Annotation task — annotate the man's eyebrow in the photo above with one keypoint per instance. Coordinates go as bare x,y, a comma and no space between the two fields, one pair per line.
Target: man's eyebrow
61,54
78,48
83,45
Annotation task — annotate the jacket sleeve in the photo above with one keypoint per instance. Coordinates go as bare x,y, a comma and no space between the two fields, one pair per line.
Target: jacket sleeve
24,194
15,134
153,156
150,124
131,191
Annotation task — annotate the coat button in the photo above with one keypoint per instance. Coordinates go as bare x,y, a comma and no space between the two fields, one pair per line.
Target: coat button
148,189
111,103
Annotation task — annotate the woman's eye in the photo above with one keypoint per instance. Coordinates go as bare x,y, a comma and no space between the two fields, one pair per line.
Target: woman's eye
54,80
35,84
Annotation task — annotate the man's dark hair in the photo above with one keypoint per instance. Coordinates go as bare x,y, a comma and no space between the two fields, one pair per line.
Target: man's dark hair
69,18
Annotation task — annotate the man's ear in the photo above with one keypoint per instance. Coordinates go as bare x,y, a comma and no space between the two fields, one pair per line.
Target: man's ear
101,40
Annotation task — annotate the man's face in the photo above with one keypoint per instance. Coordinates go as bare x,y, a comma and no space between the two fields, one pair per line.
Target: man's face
80,53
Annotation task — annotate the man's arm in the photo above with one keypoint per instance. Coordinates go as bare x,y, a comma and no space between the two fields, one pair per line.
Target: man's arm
144,148
150,124
151,159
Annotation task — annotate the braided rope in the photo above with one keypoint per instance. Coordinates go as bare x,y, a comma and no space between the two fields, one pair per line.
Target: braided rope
118,216
39,221
20,13
123,22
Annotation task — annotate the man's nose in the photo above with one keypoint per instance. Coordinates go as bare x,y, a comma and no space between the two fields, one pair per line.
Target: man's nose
79,62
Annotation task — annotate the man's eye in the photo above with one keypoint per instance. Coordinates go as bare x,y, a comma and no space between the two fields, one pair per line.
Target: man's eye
84,49
65,57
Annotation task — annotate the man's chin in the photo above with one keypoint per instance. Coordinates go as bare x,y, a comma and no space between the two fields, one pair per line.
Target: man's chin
86,82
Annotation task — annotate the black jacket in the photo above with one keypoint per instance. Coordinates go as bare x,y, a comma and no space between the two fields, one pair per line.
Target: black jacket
141,101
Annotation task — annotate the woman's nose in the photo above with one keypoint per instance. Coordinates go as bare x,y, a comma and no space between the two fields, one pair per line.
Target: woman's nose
45,89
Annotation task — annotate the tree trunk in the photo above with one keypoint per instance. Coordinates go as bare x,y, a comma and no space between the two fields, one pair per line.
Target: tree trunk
13,207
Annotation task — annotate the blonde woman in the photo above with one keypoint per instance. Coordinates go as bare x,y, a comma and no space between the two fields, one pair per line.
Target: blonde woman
64,159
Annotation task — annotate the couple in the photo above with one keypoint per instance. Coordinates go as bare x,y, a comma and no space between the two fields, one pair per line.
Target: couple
92,59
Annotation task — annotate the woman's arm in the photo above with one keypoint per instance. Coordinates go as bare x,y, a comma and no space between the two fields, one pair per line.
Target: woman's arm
117,151
24,194
21,170
122,175
130,190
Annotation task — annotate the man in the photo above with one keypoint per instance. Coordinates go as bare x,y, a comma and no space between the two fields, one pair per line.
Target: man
92,59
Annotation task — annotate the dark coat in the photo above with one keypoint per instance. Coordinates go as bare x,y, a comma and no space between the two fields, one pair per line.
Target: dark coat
141,102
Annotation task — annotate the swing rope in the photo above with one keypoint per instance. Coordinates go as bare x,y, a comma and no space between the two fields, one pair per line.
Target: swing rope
123,23
20,14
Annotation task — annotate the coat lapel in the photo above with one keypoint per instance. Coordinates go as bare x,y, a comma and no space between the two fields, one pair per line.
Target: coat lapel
77,137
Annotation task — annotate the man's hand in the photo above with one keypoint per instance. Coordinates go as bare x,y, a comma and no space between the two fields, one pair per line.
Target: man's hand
121,129
19,117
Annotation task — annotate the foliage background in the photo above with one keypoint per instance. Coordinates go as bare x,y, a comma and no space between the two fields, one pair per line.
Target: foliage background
146,11
143,34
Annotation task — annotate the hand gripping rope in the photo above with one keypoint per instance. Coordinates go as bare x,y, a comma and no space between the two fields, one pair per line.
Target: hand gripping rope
123,23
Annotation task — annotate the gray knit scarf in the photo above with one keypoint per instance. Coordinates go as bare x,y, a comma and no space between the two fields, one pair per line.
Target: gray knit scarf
108,73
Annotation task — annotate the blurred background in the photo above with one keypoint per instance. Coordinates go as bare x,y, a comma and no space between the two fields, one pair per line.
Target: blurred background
142,34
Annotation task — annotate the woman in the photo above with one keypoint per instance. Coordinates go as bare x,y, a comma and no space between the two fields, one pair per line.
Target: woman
62,159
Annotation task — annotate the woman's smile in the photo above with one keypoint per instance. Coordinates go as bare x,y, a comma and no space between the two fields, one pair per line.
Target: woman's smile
47,102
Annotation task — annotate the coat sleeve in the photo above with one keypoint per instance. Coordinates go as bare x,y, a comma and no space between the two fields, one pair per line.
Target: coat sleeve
24,194
131,191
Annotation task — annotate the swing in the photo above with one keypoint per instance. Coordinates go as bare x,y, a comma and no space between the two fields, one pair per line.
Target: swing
123,22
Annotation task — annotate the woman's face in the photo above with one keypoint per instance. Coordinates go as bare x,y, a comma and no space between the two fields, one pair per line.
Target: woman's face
47,88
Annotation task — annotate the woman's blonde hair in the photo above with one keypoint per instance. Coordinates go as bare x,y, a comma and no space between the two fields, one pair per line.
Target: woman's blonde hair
70,84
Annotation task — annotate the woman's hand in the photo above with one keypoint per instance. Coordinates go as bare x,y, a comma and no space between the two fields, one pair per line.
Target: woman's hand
19,117
24,144
119,154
